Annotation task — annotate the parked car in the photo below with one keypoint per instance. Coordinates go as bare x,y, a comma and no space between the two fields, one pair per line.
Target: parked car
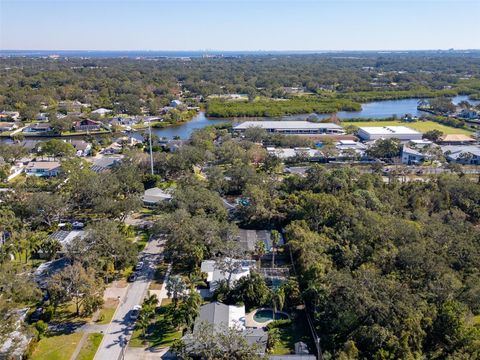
135,312
139,266
132,277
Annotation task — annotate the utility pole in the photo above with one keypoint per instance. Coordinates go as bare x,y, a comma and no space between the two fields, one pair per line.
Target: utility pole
150,140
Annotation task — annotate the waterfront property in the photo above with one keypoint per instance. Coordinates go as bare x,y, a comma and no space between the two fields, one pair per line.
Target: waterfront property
87,125
403,133
7,126
38,128
291,127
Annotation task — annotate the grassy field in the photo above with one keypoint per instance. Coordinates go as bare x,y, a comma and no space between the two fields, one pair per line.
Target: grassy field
107,311
90,347
59,347
422,126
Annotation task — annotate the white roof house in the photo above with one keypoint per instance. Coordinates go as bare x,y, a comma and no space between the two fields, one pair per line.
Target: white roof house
215,274
291,127
175,103
155,195
101,111
403,133
220,316
217,314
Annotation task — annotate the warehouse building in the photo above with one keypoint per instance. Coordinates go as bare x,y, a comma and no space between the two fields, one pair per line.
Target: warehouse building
291,127
403,133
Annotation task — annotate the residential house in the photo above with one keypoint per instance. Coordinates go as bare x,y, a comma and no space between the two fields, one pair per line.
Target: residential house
102,112
154,196
82,147
87,125
7,126
347,148
456,139
462,154
412,152
215,274
65,237
41,116
175,103
71,106
123,121
222,316
248,240
105,163
9,115
468,114
38,128
43,168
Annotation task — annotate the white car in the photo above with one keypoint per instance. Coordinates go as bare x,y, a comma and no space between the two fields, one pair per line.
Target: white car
139,266
135,312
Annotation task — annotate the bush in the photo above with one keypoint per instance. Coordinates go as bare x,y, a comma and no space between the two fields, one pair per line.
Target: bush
41,327
48,313
279,324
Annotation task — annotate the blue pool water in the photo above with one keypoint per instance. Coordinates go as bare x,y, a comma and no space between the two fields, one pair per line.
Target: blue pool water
265,315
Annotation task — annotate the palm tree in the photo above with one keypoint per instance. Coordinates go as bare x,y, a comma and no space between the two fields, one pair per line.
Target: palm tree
175,288
260,249
143,322
195,280
275,242
278,300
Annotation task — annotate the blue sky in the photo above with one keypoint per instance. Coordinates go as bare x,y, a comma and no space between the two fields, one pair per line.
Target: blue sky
239,25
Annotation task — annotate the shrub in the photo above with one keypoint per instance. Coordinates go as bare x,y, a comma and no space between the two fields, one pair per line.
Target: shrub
279,324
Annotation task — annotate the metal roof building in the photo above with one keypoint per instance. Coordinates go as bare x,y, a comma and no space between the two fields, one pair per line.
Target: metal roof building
403,133
291,127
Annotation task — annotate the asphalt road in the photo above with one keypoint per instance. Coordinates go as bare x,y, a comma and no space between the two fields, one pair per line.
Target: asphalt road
121,326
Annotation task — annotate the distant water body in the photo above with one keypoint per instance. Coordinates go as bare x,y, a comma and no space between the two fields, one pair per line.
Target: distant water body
139,53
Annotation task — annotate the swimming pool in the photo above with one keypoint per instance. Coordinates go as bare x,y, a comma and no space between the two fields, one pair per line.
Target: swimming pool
265,315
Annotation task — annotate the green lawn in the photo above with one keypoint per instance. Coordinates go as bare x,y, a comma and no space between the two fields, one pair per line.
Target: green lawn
289,335
160,333
106,315
90,347
422,126
59,347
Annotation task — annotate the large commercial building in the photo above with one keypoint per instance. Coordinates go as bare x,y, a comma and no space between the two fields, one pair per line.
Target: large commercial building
292,127
402,133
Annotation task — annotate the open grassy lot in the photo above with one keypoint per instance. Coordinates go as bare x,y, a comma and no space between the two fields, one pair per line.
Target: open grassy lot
59,347
422,126
90,347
